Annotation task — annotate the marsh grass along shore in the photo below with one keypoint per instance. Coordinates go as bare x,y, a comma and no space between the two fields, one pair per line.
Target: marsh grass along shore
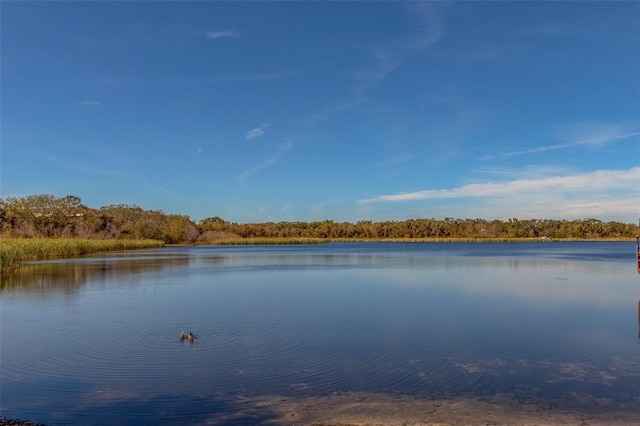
285,240
16,250
13,251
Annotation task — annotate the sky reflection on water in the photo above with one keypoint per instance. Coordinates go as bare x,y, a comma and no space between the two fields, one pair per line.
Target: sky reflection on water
96,338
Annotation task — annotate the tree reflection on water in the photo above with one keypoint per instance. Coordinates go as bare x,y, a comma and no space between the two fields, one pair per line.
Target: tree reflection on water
68,276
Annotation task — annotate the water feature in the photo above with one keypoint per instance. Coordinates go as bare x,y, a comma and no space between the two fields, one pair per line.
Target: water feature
94,340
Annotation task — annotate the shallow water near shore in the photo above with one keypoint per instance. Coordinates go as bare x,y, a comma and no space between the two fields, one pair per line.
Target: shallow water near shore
94,340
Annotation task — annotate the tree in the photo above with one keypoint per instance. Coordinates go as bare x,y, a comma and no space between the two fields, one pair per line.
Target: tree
179,229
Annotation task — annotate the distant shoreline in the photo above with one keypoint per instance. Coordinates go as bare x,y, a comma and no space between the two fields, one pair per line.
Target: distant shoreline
47,216
14,251
284,241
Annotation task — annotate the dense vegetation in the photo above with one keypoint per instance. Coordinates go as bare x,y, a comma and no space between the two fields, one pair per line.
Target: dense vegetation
16,250
48,216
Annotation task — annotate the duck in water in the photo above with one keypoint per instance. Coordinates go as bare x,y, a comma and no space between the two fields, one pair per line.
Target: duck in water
182,336
191,337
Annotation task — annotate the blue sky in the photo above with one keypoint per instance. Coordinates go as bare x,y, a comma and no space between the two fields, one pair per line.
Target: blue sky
304,111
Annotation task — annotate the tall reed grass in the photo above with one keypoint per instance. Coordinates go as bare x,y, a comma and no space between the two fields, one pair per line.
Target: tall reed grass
16,250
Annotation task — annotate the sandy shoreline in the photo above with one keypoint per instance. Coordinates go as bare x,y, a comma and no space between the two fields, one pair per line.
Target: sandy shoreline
378,409
360,408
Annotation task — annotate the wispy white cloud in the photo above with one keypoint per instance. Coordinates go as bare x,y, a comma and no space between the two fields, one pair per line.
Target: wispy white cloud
599,180
257,132
395,159
596,134
427,20
254,133
268,161
428,30
534,171
221,34
602,194
90,103
528,151
592,135
385,59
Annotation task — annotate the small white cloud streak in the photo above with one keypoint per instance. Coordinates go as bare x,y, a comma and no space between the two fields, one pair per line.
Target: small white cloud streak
254,133
595,135
258,131
221,34
429,17
396,159
268,162
533,150
529,172
428,29
600,180
602,136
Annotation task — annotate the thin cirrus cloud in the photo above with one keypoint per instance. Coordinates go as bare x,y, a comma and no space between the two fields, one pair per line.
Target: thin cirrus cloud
594,136
221,34
599,180
427,22
267,161
257,132
254,133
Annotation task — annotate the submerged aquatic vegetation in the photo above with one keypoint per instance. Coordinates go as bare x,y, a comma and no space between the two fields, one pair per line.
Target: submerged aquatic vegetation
16,250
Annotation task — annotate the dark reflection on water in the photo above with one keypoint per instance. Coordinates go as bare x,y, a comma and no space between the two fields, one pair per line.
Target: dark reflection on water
66,276
552,323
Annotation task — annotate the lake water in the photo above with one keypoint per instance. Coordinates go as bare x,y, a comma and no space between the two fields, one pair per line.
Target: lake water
94,340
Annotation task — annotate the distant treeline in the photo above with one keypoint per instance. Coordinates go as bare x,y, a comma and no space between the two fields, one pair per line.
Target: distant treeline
49,216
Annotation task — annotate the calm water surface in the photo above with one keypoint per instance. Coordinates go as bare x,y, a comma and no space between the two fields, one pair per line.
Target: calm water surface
95,340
